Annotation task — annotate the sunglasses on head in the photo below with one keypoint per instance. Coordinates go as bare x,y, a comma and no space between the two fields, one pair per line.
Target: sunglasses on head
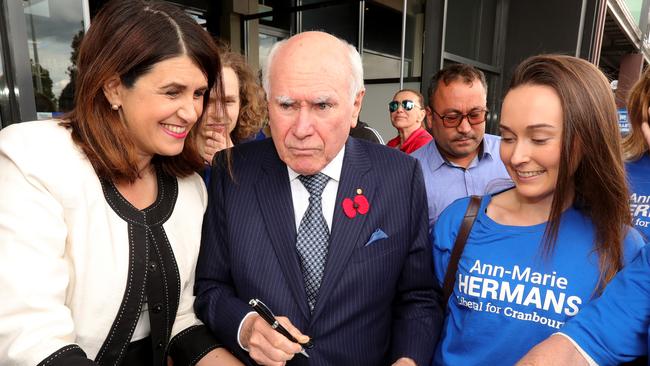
406,104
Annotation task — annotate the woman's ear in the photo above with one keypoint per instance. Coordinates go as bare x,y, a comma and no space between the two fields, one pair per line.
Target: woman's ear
112,89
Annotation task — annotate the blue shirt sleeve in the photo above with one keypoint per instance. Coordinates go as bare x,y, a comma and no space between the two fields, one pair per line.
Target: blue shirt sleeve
634,242
614,327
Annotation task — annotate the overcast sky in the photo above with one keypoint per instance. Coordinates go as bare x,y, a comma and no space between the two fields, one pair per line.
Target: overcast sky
55,22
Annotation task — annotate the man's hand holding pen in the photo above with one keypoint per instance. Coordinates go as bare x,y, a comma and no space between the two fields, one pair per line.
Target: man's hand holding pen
267,346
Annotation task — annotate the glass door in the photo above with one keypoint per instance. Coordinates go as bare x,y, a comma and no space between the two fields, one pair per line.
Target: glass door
54,32
474,35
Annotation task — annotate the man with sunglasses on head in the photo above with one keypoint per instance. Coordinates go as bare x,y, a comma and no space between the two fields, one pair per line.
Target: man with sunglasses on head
407,114
462,159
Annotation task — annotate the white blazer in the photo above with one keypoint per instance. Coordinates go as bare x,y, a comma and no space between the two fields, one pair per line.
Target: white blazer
64,251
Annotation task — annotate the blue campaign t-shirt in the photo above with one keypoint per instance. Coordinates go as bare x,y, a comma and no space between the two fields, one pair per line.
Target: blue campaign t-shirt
614,328
508,296
638,176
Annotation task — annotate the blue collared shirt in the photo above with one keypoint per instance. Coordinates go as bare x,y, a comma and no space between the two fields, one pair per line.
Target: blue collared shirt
447,182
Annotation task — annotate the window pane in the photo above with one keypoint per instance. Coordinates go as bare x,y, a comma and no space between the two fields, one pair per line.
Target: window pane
268,37
382,46
383,28
280,20
635,7
54,29
470,29
339,20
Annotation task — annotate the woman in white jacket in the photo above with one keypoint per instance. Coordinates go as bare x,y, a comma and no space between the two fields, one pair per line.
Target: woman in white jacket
100,212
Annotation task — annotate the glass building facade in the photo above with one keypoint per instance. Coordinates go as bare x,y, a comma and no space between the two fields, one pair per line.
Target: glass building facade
402,42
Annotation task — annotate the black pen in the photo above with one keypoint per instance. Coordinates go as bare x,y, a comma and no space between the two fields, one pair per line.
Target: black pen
268,316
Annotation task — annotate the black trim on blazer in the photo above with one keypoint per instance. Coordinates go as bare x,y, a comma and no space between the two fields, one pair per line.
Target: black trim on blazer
190,345
153,275
70,355
163,291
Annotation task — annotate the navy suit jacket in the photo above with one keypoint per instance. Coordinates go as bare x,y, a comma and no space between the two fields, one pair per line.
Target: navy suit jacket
377,302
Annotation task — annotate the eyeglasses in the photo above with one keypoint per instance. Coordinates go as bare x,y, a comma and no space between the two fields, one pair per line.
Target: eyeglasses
474,117
406,104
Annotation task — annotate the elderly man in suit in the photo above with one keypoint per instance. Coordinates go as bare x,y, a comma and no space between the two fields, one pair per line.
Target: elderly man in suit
329,231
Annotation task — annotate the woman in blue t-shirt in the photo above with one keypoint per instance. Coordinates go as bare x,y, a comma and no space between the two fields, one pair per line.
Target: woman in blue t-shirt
615,328
540,251
637,158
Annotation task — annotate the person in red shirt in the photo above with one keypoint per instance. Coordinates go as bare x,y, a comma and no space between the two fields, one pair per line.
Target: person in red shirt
406,115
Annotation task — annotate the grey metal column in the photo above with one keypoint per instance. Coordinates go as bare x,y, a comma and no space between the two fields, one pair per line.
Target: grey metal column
298,18
581,27
401,59
362,19
86,14
22,93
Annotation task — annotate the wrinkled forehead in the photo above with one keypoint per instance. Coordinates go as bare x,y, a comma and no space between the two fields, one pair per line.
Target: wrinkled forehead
309,81
314,51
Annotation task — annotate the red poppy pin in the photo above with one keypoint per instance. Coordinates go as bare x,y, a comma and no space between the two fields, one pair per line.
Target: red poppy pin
357,205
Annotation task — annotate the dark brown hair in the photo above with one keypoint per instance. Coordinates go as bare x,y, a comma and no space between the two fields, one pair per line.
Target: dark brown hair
252,107
591,163
455,72
127,38
634,144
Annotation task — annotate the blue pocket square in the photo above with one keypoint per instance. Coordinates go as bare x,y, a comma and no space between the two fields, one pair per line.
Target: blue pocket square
377,235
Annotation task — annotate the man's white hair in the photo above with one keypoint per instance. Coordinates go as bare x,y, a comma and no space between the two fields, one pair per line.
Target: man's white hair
354,60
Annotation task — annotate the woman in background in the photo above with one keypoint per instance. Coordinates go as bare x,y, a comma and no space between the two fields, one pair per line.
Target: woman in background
245,108
635,152
406,114
100,212
540,251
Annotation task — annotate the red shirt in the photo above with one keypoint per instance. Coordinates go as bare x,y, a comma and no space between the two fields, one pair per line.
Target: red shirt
417,139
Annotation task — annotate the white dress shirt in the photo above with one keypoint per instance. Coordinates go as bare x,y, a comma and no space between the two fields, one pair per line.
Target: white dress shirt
300,194
300,198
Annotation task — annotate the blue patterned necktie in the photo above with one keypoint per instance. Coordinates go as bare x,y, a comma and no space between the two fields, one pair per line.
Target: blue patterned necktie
313,237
